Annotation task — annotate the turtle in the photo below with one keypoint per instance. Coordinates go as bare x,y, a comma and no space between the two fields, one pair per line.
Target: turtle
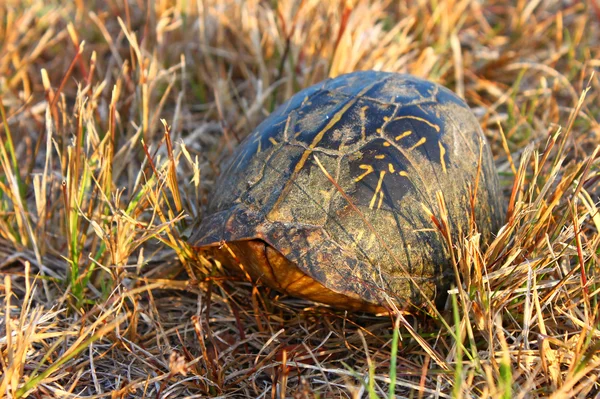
333,197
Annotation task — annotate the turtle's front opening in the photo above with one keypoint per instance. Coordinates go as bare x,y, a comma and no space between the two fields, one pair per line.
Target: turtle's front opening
266,265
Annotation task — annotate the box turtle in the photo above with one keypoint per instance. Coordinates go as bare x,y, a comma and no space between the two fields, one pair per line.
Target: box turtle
331,197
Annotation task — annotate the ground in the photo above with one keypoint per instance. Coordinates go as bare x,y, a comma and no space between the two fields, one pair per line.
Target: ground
115,117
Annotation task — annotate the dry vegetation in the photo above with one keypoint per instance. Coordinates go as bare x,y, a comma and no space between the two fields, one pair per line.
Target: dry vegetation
97,197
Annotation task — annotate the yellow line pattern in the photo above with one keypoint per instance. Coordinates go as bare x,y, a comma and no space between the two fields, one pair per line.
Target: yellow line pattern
403,135
391,168
273,141
419,143
357,239
369,170
380,199
433,125
380,156
363,118
377,189
287,125
442,154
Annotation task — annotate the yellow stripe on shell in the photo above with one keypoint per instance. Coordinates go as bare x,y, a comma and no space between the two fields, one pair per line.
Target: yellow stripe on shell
369,170
419,143
433,125
377,189
403,135
442,153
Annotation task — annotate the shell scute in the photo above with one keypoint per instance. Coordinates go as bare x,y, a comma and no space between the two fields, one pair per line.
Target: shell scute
381,176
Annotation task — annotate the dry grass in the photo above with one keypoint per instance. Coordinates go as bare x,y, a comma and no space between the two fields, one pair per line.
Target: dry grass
97,197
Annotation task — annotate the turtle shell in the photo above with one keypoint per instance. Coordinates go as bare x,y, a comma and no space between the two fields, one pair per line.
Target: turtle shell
331,197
